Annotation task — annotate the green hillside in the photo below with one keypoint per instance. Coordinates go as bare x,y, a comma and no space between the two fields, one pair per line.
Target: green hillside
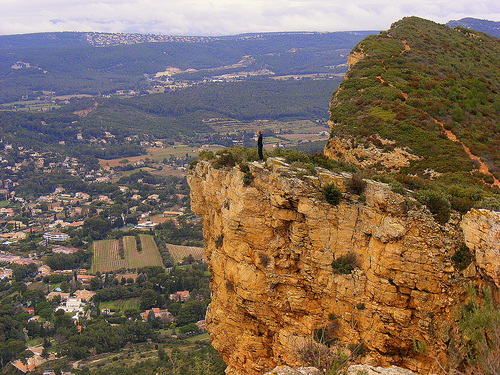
415,86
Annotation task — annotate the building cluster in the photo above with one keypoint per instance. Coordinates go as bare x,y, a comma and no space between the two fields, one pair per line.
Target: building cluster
78,304
114,39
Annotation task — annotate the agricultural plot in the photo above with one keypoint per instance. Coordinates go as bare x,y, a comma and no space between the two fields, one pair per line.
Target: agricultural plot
149,254
112,255
180,252
107,256
121,304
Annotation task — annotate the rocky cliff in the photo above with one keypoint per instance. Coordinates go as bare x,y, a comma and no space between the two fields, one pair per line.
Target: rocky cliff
273,247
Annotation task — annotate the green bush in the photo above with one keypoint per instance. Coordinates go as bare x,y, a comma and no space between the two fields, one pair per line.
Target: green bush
480,332
244,168
219,241
462,205
488,179
436,203
356,184
225,159
206,155
462,257
247,178
332,194
345,264
358,350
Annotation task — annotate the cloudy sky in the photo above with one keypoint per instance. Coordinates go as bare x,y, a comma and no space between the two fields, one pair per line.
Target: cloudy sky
228,17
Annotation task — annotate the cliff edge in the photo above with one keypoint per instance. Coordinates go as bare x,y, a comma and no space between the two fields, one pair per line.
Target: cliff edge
274,244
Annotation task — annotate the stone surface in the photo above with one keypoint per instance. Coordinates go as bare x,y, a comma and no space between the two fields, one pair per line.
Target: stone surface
270,247
371,370
482,235
287,370
367,155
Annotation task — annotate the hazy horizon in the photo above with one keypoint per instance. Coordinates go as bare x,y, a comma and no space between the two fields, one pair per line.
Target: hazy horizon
227,17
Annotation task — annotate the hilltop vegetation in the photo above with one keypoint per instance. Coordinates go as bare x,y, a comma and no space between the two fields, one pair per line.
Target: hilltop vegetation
410,88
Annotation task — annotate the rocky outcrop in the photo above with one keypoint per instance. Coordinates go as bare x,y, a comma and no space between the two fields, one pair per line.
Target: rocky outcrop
271,246
351,370
368,155
482,235
354,57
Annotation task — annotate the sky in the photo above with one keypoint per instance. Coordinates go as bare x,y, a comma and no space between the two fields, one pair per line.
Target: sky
228,17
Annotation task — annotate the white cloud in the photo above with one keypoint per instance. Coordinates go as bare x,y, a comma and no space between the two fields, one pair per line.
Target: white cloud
224,17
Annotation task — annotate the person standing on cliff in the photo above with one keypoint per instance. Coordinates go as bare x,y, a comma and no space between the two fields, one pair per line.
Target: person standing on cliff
260,145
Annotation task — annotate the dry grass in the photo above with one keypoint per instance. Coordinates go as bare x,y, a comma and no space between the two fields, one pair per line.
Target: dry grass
180,252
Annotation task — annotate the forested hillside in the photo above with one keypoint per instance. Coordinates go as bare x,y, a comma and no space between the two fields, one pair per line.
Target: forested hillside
65,63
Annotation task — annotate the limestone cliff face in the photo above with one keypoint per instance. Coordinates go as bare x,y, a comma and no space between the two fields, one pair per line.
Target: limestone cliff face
368,155
270,246
482,235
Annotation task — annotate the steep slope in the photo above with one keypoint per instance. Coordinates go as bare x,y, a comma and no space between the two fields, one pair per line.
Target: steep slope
411,90
276,249
387,267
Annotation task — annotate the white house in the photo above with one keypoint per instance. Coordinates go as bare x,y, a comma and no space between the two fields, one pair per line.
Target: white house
72,305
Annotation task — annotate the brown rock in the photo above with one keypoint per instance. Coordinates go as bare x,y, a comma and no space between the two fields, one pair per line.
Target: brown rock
270,247
482,235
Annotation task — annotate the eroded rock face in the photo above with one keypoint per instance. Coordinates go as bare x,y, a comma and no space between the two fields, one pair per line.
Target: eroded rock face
482,235
367,156
270,246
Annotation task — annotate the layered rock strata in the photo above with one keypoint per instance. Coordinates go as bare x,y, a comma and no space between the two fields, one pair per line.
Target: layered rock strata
271,245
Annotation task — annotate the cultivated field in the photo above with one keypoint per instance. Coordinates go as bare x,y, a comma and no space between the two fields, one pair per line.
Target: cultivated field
121,304
107,256
179,252
149,256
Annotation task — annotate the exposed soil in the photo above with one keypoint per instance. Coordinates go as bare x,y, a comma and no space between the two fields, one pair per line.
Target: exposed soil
85,112
483,168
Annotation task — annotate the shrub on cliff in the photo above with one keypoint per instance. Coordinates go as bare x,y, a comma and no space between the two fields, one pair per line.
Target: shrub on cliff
332,194
247,177
436,203
462,257
225,159
479,337
356,184
345,264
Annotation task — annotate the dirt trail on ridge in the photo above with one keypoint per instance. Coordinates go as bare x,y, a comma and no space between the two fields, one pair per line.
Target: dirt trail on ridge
483,168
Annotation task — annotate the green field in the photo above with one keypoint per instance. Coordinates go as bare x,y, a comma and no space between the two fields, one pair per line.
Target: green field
149,256
120,305
107,256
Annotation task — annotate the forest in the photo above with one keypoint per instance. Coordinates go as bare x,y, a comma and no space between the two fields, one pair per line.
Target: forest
178,116
72,66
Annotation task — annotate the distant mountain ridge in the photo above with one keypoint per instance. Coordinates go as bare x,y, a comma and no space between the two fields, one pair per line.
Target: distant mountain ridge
99,39
488,27
74,38
68,39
